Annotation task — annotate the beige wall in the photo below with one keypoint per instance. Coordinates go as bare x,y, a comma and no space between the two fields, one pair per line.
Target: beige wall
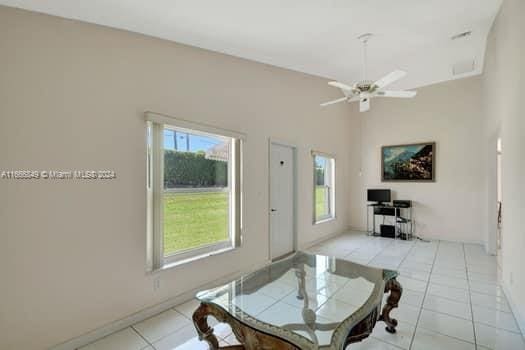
72,97
450,115
503,87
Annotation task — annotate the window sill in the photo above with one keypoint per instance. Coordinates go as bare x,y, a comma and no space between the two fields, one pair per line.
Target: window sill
322,221
192,259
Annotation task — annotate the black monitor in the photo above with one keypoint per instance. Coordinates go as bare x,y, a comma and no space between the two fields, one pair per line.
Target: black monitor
379,196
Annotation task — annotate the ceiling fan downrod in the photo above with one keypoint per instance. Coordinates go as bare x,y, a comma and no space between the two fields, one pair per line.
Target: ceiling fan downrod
364,39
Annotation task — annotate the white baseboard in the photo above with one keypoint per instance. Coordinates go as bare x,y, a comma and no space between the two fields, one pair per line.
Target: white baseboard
438,238
357,229
520,319
429,237
168,304
184,297
310,244
450,239
148,312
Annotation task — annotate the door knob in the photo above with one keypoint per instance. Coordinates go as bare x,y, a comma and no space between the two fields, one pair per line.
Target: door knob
273,209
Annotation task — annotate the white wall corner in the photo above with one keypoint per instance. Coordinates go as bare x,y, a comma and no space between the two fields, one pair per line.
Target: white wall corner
488,249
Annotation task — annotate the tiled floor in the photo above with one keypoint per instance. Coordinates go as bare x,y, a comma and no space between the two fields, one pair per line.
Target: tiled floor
451,300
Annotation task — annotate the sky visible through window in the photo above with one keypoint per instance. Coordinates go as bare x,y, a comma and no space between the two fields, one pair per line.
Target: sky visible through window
320,162
188,142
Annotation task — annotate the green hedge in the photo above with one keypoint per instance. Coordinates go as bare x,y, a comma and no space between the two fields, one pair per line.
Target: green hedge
319,176
189,169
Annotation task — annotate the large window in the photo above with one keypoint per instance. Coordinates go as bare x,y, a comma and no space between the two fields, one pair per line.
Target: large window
324,187
193,190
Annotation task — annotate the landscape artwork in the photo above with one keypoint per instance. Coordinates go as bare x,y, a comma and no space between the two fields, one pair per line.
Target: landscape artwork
414,162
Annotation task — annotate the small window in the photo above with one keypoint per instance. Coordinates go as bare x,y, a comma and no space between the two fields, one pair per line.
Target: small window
193,190
324,187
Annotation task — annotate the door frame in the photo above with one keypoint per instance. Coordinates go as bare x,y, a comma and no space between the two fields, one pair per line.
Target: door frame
491,247
273,141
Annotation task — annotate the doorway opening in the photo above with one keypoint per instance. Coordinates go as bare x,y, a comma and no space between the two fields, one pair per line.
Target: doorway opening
499,205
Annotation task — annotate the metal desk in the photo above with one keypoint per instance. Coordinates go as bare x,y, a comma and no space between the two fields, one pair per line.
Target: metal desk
403,224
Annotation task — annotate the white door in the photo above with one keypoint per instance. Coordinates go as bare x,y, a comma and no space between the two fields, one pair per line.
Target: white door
281,200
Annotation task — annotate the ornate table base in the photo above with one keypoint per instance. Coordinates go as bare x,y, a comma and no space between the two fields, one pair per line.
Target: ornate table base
395,289
252,339
247,336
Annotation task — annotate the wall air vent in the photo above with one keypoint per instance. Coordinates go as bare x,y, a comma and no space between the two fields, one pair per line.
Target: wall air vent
463,67
461,35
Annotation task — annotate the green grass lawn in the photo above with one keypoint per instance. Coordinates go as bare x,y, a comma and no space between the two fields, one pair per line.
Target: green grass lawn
321,209
194,219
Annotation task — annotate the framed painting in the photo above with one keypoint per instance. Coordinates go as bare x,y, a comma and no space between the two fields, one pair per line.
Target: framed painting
412,162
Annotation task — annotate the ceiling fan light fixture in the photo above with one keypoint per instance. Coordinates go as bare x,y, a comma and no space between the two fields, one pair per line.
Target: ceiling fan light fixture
364,89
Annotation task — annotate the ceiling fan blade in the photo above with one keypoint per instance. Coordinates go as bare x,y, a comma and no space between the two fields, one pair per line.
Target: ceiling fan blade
340,85
364,104
333,101
399,94
390,78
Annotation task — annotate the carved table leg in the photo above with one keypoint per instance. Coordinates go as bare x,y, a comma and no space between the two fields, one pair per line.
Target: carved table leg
200,320
363,329
395,289
249,338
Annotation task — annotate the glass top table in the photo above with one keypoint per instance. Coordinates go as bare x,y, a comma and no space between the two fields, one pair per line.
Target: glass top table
301,302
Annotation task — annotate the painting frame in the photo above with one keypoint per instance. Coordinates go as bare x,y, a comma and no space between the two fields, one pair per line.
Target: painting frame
433,160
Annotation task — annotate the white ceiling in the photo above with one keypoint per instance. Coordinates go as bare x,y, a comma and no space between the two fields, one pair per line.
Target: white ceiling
312,36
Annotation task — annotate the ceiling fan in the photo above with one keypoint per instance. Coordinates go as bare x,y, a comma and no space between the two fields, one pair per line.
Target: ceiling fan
364,90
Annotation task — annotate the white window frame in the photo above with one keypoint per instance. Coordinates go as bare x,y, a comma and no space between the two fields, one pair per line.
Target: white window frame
331,159
156,123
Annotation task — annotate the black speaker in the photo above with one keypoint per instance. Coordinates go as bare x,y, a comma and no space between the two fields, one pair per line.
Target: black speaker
387,231
402,204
